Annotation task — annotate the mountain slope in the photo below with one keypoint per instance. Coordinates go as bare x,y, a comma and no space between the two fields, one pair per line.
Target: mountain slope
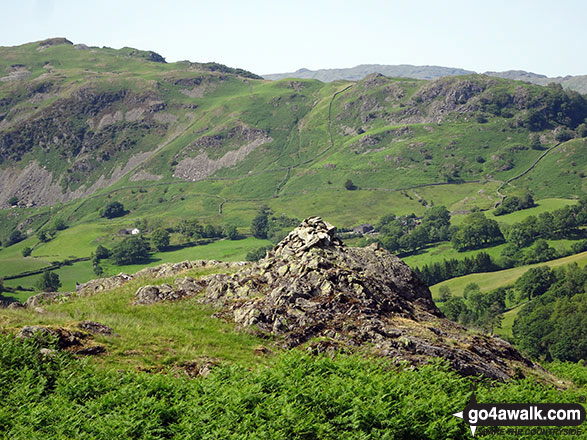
77,119
81,127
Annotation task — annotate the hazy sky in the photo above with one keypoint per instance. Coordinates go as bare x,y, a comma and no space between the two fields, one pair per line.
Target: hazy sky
271,36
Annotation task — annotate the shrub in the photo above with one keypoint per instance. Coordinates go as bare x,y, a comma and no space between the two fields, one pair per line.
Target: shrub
112,210
60,224
232,232
349,185
15,237
102,252
257,254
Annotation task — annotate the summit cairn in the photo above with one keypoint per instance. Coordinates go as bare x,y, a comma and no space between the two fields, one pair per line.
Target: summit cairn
311,290
312,232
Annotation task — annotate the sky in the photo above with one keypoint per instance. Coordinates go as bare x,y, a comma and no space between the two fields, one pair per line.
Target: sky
273,36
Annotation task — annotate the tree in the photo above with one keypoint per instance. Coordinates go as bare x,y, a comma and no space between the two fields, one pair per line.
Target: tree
49,282
191,229
471,288
13,201
210,231
232,232
454,308
444,293
26,251
563,135
15,237
535,281
60,224
257,254
436,221
44,236
492,317
535,143
131,250
98,270
160,239
260,224
102,252
475,232
540,252
112,210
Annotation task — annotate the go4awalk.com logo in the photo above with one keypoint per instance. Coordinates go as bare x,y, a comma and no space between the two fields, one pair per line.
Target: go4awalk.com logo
521,414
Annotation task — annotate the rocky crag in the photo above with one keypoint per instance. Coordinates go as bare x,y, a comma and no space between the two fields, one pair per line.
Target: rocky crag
312,291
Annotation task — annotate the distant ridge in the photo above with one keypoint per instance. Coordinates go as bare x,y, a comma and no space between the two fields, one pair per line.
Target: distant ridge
577,83
359,72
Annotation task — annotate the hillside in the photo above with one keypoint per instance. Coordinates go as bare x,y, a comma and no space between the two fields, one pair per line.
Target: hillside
82,127
577,83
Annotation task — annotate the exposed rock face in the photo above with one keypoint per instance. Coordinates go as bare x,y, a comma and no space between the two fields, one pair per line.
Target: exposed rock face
310,285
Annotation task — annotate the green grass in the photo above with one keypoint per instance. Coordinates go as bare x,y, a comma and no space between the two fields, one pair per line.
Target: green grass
159,334
445,251
508,322
295,116
299,397
14,266
224,250
559,174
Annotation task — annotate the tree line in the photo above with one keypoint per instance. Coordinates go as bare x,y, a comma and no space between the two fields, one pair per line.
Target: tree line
552,324
525,242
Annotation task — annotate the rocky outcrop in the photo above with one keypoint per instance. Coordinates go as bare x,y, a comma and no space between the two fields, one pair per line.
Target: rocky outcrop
46,298
311,289
96,328
77,342
186,286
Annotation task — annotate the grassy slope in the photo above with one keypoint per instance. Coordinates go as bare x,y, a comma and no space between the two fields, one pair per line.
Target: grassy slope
160,334
492,280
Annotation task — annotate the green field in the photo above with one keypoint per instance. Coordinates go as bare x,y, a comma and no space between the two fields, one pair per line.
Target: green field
224,250
492,280
508,322
543,205
313,139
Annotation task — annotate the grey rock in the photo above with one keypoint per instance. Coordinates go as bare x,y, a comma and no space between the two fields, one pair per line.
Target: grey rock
96,328
46,298
312,286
